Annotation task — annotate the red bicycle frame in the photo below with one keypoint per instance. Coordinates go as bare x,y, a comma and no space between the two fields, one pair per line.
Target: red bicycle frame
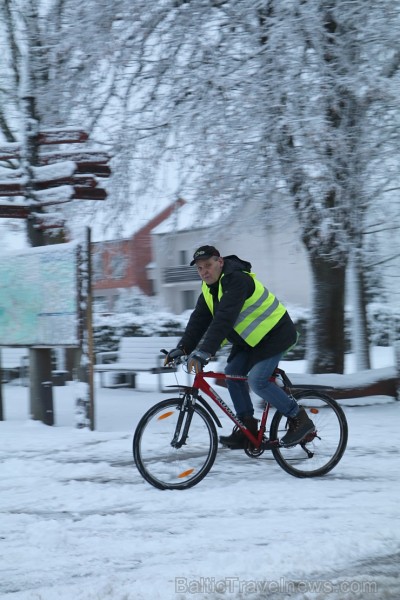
200,383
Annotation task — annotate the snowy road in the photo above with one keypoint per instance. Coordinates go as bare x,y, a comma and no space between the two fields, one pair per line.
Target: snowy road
77,521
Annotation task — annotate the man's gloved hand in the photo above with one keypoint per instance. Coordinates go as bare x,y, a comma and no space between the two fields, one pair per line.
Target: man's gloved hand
197,360
172,355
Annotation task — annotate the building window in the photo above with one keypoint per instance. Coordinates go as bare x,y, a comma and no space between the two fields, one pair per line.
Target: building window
117,266
183,259
188,297
97,265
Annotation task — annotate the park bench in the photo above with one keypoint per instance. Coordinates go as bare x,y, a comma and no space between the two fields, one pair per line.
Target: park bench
134,354
13,363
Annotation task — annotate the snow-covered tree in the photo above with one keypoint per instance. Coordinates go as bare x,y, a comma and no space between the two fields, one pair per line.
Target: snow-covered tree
253,97
243,98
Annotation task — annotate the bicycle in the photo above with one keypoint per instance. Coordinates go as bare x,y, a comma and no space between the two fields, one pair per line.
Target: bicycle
175,443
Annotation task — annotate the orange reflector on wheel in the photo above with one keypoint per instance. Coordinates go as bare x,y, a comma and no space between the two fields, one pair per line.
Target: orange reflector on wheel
165,415
314,411
185,473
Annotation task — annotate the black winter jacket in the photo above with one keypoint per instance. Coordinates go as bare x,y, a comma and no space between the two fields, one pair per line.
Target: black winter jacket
237,286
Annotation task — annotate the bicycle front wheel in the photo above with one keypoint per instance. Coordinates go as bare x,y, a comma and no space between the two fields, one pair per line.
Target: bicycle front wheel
161,457
322,450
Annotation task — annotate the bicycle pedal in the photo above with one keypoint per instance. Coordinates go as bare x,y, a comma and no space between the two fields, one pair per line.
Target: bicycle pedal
309,437
269,444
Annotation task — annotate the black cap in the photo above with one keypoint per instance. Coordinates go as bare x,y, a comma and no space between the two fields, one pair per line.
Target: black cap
204,252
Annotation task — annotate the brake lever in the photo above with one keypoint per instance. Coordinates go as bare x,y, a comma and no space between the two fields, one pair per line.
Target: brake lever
175,361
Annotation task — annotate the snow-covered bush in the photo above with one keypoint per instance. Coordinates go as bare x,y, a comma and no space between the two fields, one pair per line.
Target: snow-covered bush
134,301
383,322
146,320
136,315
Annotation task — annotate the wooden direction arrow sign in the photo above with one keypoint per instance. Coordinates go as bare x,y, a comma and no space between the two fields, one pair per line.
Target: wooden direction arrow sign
85,193
62,136
9,211
77,156
11,189
79,180
96,168
16,189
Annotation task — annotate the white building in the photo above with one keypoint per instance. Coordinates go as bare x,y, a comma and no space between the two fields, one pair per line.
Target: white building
274,250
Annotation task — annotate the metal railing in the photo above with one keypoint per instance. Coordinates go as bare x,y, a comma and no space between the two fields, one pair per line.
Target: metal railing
180,274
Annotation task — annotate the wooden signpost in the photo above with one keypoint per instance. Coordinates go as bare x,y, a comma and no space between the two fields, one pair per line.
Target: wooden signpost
88,166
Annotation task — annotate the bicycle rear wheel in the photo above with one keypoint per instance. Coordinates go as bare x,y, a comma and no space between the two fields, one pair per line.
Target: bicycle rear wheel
157,452
320,452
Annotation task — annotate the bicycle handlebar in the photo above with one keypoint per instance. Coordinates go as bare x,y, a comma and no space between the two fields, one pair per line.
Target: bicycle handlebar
174,362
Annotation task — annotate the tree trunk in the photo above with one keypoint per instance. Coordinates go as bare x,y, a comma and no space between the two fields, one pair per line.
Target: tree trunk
40,385
40,364
326,338
397,358
359,327
396,346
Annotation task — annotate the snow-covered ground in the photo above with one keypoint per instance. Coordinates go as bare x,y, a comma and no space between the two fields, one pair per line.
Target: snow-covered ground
78,522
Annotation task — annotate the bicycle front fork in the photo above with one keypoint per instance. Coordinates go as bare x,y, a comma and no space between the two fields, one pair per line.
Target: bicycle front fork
183,423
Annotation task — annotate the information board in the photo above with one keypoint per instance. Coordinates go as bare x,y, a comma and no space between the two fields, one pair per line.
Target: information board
39,297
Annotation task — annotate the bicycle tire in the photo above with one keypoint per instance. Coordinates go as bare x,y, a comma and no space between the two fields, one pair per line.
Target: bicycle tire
328,445
164,466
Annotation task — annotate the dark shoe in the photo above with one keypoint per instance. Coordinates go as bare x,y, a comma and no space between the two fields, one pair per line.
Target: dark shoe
237,440
298,427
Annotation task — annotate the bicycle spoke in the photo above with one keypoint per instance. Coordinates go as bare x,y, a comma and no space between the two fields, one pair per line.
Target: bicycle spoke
160,457
320,451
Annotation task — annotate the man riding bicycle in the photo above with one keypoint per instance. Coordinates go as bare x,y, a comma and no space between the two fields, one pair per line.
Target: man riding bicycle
234,306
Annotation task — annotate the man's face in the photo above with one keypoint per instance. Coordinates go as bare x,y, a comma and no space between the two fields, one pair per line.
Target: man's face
210,269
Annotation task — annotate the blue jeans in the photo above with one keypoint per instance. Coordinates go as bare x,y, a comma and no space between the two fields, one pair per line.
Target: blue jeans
258,379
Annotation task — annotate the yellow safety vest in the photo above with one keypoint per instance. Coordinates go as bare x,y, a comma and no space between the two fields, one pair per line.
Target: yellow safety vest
259,314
